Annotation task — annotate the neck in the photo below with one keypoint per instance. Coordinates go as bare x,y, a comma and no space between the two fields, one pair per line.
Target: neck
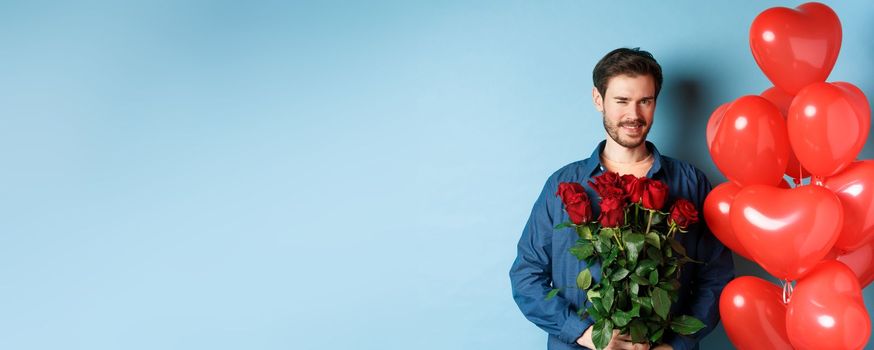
621,154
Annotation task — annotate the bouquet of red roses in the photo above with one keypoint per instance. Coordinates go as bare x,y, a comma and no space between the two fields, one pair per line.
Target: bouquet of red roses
640,259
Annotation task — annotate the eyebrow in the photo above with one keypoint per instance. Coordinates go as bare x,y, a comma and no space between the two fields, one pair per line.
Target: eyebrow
620,98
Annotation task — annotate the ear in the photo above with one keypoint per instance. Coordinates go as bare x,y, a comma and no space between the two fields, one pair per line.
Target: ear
598,100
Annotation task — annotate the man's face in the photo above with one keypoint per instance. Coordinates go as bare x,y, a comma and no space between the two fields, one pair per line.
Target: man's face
628,107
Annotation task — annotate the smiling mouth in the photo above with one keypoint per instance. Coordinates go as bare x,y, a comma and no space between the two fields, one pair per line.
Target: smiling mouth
632,127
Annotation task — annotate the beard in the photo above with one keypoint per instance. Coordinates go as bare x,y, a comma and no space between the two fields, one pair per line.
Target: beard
628,142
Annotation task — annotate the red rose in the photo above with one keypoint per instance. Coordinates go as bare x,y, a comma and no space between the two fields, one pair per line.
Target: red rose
634,187
580,212
567,190
627,179
612,211
683,213
576,201
654,195
607,184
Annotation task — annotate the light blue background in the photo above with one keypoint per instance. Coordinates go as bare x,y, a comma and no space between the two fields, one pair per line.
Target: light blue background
323,175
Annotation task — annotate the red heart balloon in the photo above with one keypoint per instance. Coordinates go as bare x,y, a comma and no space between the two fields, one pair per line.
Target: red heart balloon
786,231
717,206
751,145
827,311
854,186
782,101
861,261
796,47
753,314
828,124
779,98
714,121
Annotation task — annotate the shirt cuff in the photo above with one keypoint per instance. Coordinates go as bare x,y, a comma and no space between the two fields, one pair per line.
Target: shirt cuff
573,329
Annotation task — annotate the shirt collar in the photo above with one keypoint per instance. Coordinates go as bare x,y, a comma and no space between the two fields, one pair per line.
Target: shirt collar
593,164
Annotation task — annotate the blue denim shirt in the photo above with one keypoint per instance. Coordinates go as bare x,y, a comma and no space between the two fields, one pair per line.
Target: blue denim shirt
543,261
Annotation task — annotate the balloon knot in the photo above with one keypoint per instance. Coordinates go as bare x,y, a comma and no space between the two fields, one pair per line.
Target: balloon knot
787,291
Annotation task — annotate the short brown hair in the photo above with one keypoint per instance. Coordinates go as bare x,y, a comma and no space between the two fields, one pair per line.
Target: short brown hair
625,61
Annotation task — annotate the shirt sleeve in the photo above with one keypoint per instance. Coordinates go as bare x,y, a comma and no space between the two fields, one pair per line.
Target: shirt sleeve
531,273
709,279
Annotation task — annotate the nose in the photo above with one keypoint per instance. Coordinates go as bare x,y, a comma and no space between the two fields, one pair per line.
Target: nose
638,111
633,113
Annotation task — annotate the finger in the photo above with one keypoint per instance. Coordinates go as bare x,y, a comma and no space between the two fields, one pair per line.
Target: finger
625,337
624,344
618,344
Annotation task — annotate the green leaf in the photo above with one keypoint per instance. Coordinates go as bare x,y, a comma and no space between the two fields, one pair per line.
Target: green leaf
606,233
552,293
657,218
593,311
677,246
670,287
639,280
602,246
620,318
686,325
584,232
593,293
619,274
584,279
638,332
606,271
670,270
582,250
610,258
607,296
654,254
654,277
686,260
622,299
653,239
599,306
661,302
633,246
635,310
645,305
602,332
645,267
564,224
656,336
634,287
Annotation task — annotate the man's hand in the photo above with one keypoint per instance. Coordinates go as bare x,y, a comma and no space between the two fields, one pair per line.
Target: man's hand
618,342
663,347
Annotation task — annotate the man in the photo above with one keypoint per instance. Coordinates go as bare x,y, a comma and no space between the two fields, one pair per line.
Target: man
627,83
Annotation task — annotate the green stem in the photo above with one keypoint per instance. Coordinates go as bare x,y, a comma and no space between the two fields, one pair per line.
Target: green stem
636,213
648,222
618,243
